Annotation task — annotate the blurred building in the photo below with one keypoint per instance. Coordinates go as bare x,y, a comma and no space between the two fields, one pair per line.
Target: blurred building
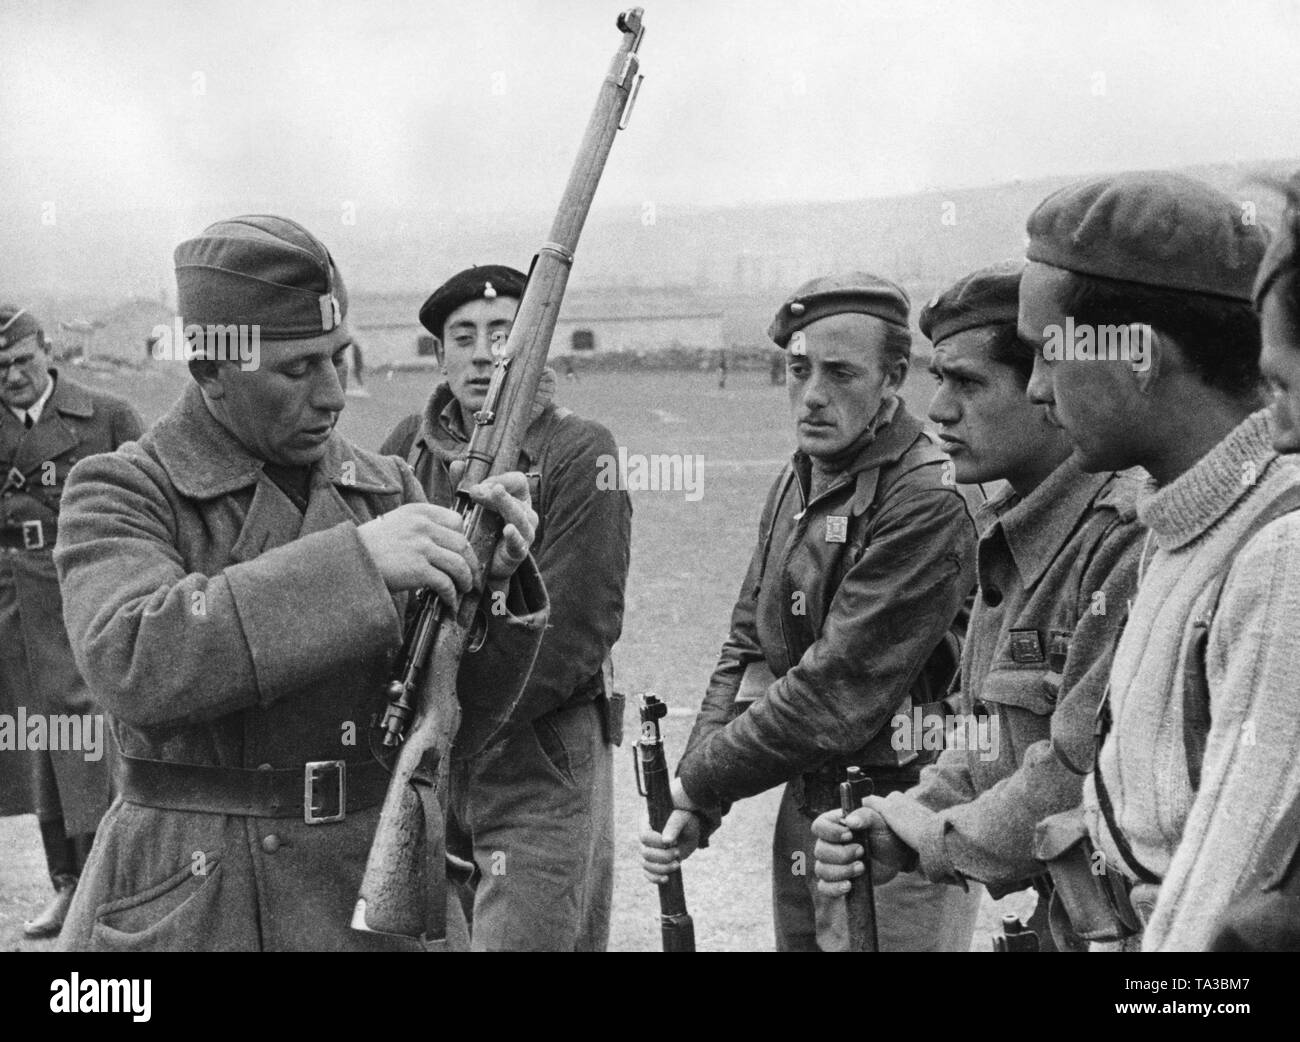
591,322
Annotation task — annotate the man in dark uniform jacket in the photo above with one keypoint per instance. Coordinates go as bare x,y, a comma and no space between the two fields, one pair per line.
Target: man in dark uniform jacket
235,586
848,615
534,814
46,425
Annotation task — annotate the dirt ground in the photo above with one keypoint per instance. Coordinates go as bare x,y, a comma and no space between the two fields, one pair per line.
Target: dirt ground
687,562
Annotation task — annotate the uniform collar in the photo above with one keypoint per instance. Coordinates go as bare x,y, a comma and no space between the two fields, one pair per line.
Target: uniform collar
888,444
63,396
441,431
204,460
69,398
1037,527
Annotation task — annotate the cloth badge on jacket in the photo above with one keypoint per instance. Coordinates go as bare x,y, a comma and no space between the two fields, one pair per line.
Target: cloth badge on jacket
837,529
1026,647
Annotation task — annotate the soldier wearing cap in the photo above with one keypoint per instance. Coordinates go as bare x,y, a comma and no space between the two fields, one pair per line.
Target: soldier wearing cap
1057,557
1200,751
47,424
534,814
849,614
234,587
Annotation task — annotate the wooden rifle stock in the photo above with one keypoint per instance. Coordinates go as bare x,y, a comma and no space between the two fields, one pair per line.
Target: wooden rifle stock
403,889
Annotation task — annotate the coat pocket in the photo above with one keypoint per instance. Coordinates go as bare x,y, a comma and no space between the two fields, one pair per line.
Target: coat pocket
1029,689
178,914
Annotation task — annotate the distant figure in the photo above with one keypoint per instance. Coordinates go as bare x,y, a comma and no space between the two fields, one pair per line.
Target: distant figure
776,371
570,373
356,373
722,370
358,364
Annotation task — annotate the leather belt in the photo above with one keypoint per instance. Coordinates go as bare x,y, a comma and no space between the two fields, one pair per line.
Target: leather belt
28,535
319,792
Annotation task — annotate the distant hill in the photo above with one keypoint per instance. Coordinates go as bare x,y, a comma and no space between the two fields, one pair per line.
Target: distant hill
743,259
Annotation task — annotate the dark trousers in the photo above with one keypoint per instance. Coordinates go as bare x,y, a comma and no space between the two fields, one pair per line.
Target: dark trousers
65,855
535,815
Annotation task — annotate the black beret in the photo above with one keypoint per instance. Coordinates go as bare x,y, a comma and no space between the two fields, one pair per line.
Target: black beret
988,297
482,281
1154,228
853,292
1283,254
260,270
16,324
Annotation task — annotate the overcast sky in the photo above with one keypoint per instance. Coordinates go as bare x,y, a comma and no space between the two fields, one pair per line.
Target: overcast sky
479,106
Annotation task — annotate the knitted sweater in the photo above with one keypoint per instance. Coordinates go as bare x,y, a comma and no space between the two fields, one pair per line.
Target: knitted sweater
1201,845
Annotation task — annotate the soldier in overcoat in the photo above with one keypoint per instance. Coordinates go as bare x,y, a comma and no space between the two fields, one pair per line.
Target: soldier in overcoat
56,760
235,586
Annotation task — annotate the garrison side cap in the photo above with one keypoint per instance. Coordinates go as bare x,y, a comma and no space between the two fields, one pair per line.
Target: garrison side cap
483,281
260,270
987,297
854,292
16,324
1153,228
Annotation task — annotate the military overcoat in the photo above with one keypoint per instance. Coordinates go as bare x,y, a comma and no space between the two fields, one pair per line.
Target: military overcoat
37,673
220,626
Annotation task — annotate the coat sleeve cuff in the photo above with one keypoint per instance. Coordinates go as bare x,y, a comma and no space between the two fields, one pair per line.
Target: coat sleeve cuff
274,593
934,861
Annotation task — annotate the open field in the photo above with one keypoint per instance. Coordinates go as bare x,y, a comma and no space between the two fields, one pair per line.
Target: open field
687,563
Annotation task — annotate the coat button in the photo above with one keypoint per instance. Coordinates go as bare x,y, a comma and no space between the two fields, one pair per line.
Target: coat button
271,843
992,596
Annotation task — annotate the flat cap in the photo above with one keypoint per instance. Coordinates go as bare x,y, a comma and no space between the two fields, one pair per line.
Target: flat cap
16,324
484,281
1153,228
1283,255
854,292
988,297
260,270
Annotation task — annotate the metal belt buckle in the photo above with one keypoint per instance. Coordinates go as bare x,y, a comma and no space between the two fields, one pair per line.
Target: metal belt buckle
313,772
33,535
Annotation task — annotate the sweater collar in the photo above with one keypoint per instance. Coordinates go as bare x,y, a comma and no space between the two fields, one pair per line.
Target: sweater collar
204,460
1195,501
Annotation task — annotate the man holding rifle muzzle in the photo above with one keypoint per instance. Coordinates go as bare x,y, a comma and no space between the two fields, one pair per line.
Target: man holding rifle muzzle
234,587
534,814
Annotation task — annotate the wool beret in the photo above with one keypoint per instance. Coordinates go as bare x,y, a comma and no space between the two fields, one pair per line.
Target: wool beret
1283,255
16,324
484,281
853,292
261,271
1152,227
988,297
